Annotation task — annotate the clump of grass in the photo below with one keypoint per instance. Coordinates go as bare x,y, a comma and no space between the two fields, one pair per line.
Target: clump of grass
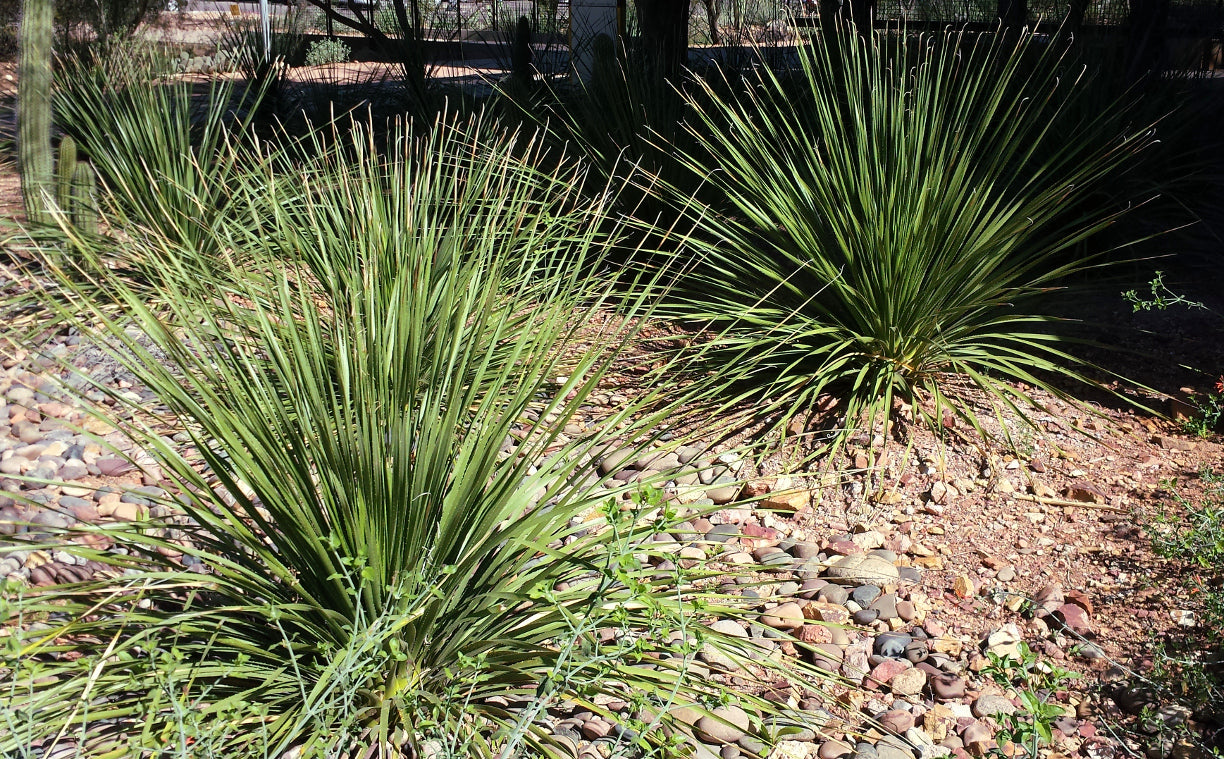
379,539
892,212
160,143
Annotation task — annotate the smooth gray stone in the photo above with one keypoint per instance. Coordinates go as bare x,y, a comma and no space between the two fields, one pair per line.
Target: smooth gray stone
752,745
917,651
893,749
723,490
48,518
865,751
892,644
864,617
910,574
805,551
810,588
720,533
886,605
863,595
855,570
73,469
834,594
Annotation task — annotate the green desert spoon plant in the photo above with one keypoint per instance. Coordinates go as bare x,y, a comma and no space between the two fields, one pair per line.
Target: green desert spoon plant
159,143
378,541
892,209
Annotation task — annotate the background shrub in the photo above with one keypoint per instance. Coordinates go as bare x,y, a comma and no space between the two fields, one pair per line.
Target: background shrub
322,52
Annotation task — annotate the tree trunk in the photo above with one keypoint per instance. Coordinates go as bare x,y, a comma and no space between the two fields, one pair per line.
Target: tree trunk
861,13
713,9
408,50
1013,14
664,35
1075,17
1070,34
411,51
830,10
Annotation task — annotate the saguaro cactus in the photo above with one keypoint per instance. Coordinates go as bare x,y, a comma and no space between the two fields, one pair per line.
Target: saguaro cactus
34,107
74,181
81,198
65,167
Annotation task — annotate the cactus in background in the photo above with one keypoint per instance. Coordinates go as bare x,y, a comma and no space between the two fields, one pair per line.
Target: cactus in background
65,167
520,52
81,199
75,185
34,107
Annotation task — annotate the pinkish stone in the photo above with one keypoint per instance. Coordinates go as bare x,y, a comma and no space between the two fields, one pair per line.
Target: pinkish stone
1048,599
843,548
758,531
1079,598
815,634
883,672
113,467
896,721
833,749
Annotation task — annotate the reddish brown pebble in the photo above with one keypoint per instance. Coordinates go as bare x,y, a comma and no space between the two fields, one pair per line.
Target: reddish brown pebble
947,687
41,576
757,531
1079,598
843,548
815,634
883,673
834,750
1075,618
896,721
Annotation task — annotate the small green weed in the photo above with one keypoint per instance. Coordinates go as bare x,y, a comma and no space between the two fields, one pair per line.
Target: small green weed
1185,677
1208,411
1169,735
1161,297
1208,407
1034,681
1187,669
1023,442
1196,537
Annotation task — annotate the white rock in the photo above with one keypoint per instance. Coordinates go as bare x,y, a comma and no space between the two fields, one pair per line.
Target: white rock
793,750
1005,641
